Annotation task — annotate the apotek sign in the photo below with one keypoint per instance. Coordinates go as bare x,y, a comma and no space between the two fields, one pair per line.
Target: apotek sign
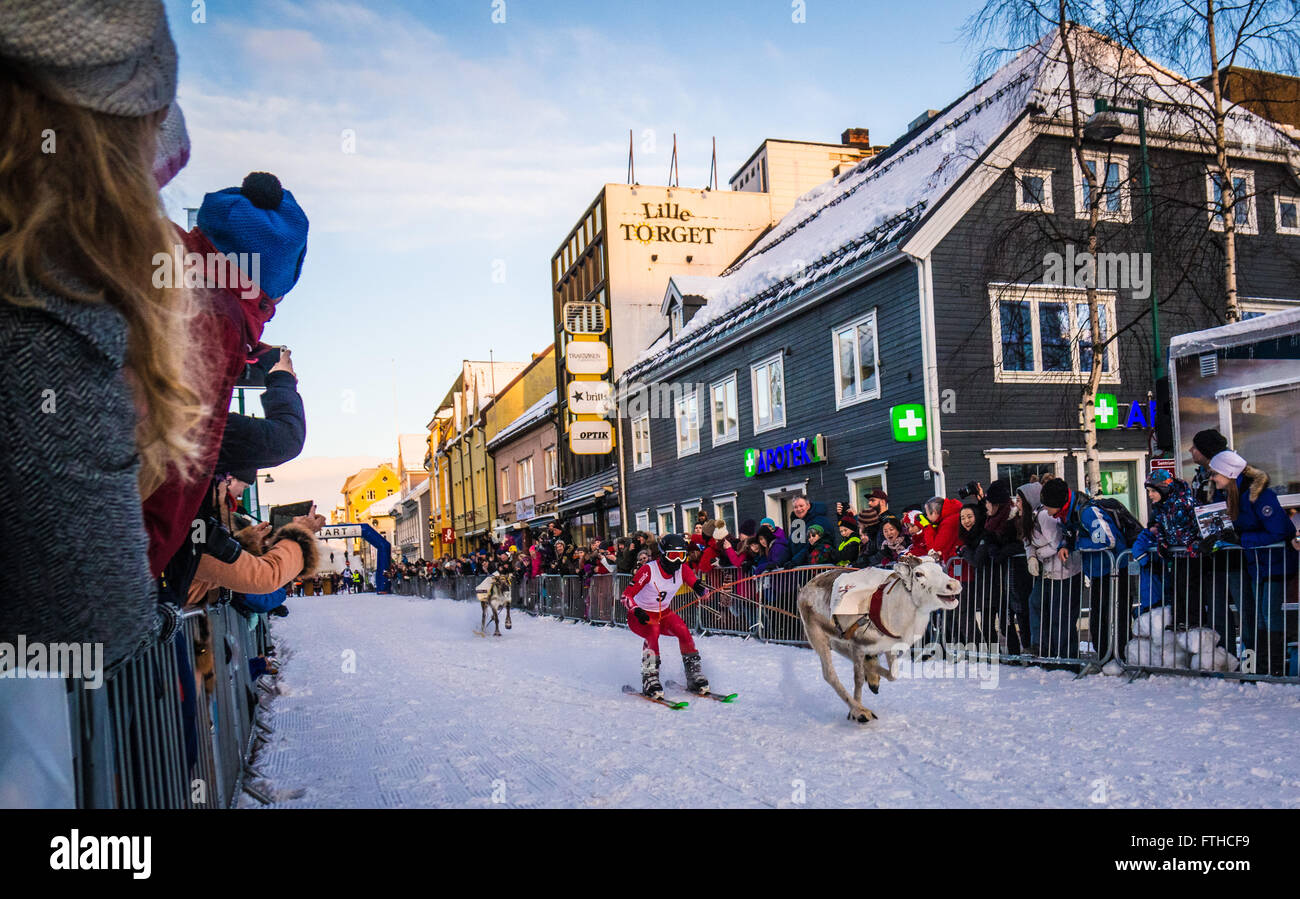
804,451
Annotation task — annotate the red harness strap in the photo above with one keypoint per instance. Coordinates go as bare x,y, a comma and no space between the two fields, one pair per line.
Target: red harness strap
873,615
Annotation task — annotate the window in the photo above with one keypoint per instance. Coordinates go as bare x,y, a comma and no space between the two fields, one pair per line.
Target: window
857,362
690,512
675,318
687,413
664,520
552,469
1021,469
1111,172
370,494
641,442
1287,214
643,520
863,481
724,507
524,477
1044,333
722,402
767,384
1243,201
1033,190
1254,308
505,485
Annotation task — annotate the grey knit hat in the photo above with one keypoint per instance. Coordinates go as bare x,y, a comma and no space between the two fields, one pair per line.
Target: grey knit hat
112,56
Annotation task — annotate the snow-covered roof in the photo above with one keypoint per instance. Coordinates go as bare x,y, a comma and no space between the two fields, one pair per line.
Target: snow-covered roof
869,211
382,506
1252,330
530,416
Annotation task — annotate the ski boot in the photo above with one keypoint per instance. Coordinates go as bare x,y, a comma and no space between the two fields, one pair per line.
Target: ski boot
696,682
650,685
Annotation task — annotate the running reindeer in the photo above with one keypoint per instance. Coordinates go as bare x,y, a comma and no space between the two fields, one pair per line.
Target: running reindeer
494,593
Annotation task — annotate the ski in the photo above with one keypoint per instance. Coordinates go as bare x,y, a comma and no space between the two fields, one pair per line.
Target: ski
720,697
659,699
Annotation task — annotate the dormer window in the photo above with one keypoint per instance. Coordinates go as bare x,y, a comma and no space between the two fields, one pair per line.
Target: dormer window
675,318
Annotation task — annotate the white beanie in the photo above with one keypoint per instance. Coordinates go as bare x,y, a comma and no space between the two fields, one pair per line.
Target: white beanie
1228,464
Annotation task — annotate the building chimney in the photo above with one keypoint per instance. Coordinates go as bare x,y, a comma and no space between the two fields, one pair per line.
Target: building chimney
922,119
856,137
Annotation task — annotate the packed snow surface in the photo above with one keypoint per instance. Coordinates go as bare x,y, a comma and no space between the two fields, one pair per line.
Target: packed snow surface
435,716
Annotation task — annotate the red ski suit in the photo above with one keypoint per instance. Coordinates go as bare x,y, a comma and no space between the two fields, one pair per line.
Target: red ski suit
652,589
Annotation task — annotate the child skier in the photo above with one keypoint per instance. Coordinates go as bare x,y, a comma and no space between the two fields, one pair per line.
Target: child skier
648,599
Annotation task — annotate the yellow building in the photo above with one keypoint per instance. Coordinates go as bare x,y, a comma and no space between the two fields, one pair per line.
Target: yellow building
523,455
362,490
470,488
440,486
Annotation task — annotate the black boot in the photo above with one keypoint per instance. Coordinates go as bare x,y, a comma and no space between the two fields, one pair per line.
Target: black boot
650,685
696,682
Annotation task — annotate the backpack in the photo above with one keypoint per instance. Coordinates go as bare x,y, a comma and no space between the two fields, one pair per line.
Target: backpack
1118,513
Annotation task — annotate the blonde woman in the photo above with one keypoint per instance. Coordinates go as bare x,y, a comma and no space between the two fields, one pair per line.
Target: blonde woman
97,383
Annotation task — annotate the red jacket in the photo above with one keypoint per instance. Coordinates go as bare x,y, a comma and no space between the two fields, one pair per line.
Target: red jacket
943,534
229,330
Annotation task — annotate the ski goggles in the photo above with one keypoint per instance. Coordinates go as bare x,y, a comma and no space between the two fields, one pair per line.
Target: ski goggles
675,555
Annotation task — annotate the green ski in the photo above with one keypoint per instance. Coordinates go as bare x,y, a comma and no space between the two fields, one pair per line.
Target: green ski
659,699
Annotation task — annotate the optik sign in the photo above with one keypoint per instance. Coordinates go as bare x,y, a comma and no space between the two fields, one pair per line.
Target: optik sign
804,451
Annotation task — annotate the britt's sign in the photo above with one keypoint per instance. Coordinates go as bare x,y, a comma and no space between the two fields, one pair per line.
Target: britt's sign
667,223
804,451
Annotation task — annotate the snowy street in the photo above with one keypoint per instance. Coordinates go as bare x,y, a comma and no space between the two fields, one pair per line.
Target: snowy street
435,716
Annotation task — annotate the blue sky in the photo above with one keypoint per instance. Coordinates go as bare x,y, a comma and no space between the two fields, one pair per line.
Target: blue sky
477,142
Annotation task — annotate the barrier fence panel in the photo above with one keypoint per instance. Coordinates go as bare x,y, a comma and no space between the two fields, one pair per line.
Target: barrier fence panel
1231,613
172,727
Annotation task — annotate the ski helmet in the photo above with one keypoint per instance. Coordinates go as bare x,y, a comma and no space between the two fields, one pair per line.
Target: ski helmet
672,552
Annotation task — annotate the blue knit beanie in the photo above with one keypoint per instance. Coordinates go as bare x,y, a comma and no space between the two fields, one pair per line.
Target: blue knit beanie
259,217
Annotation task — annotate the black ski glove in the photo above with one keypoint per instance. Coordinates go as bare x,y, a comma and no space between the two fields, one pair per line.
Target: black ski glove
641,616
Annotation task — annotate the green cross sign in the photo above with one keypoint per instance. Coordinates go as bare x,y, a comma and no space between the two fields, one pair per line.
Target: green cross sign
908,422
751,462
1105,410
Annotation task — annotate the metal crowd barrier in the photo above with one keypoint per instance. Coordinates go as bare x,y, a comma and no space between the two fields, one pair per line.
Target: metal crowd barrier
173,727
1081,621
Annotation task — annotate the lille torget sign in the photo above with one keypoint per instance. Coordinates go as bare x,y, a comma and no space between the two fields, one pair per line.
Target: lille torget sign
667,223
804,451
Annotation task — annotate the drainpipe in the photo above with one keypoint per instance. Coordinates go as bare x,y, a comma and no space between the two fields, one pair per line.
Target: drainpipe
930,373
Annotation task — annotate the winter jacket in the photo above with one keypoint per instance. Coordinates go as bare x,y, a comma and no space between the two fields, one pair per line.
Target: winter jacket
1045,542
847,552
270,441
75,550
942,534
1087,529
779,553
718,554
293,554
1260,522
1174,519
799,529
229,331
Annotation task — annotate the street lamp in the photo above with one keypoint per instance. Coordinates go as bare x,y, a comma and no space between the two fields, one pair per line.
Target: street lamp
1105,125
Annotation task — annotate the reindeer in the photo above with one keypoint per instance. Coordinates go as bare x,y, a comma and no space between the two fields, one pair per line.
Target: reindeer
861,614
494,593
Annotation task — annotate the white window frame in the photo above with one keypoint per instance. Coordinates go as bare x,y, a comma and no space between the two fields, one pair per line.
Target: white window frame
636,447
1278,200
552,461
671,513
524,465
734,434
643,520
689,509
1251,225
1125,195
693,397
998,457
1034,294
859,472
772,498
1137,456
676,318
1264,305
860,395
1046,174
772,424
505,484
727,499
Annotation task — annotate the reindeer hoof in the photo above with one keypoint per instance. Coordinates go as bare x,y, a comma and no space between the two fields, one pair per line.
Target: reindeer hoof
507,625
862,715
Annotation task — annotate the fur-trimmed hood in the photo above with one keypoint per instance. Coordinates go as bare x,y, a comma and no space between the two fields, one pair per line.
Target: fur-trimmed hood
306,540
1255,480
